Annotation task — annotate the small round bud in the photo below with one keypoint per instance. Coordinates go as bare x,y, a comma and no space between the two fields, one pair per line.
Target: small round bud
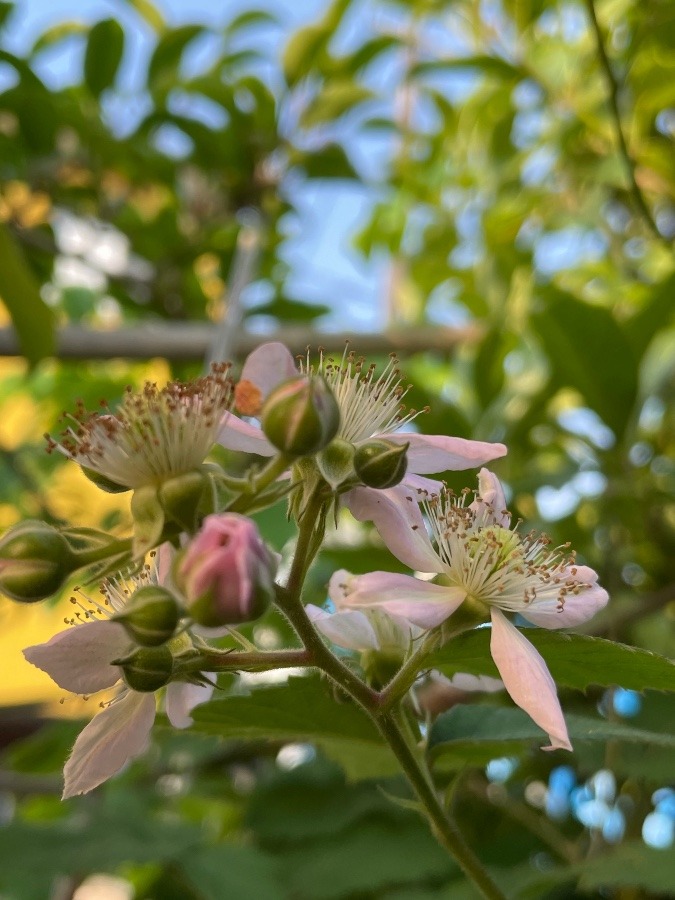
147,669
35,560
381,464
226,572
151,616
301,416
180,497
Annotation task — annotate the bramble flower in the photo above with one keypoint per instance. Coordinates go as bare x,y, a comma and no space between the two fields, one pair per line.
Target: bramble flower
80,659
154,435
484,559
366,629
370,409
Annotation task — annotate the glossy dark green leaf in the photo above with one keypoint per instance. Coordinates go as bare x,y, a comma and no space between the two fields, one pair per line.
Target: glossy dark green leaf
574,660
589,351
32,319
303,709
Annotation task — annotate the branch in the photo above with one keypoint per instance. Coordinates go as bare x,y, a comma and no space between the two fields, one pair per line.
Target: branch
628,161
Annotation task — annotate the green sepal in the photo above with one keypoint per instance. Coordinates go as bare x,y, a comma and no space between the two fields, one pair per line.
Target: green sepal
148,516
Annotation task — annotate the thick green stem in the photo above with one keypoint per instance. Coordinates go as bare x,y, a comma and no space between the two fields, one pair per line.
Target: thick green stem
443,829
106,551
213,660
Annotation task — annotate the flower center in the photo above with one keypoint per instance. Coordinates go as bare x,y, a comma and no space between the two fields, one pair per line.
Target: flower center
369,404
495,564
155,434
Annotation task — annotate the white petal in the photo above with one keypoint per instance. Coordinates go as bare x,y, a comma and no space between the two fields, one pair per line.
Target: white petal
577,608
268,365
109,741
491,501
235,434
397,517
430,453
351,630
419,602
527,679
462,681
78,659
181,698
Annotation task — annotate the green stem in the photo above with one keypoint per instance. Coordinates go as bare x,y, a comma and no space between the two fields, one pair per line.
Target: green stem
443,828
269,473
401,683
213,660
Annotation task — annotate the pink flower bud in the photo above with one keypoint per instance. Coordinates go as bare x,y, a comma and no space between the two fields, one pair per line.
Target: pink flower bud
227,572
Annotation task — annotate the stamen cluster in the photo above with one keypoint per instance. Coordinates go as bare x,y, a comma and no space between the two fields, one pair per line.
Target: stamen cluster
155,434
492,561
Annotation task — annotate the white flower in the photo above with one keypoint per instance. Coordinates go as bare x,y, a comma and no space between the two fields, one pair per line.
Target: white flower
483,559
155,434
80,658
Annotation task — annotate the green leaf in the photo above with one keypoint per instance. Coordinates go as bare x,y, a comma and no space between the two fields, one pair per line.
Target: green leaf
248,18
32,319
574,660
103,56
167,55
288,310
330,161
475,734
334,100
148,12
655,314
589,351
631,864
220,870
487,65
308,44
6,8
302,710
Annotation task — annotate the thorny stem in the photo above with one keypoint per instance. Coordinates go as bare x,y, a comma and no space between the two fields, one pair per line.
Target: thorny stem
213,660
628,161
375,704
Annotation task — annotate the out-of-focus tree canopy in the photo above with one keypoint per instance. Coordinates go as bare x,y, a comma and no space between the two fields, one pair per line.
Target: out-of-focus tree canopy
510,170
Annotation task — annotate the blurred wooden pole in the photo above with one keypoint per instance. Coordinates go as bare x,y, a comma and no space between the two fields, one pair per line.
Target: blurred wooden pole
191,341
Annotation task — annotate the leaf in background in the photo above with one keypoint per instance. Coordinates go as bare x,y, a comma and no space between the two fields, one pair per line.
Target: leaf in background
302,710
475,734
148,12
574,660
307,45
168,53
631,864
219,870
329,161
657,311
248,18
6,8
487,65
334,100
287,310
103,55
32,319
590,352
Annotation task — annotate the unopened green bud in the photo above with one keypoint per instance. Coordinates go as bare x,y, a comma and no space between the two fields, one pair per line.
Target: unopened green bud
151,616
147,669
180,497
106,484
301,416
335,462
381,464
35,560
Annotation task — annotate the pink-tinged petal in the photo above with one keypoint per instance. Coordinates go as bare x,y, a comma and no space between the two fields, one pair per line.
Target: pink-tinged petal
109,741
78,659
419,602
235,434
527,679
429,453
491,502
164,560
470,683
576,609
268,365
181,699
396,515
420,484
351,630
